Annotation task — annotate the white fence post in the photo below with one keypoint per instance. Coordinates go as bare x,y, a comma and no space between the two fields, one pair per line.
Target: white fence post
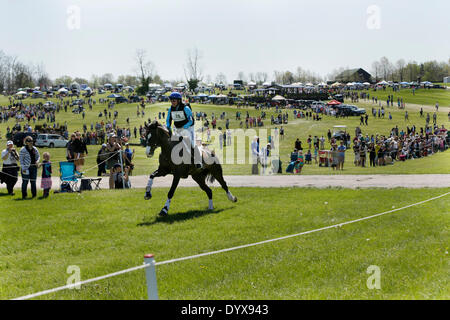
150,274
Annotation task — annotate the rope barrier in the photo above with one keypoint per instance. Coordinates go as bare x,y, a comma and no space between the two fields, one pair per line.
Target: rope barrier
72,176
146,265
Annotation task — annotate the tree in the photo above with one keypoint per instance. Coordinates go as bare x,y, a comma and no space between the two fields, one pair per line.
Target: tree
401,69
107,78
261,77
386,67
221,78
66,80
241,76
145,68
376,70
192,69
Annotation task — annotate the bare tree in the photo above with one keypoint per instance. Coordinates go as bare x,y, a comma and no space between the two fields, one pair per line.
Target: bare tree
145,68
401,68
221,78
192,69
376,69
241,76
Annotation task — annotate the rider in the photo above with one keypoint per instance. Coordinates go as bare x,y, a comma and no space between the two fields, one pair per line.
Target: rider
183,119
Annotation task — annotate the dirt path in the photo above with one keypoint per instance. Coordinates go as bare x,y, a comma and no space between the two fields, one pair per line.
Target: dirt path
311,181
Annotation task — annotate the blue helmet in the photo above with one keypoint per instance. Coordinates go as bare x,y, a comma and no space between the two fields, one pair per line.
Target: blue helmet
175,95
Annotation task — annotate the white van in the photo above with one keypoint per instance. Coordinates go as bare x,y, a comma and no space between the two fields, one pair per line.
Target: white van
51,141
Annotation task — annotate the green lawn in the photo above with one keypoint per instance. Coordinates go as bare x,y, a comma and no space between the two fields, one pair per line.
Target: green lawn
107,231
421,96
295,129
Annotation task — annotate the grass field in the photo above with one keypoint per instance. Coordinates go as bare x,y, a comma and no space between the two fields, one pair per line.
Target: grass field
421,96
107,231
295,129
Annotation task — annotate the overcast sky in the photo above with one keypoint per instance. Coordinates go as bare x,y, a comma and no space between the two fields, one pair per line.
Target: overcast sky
232,35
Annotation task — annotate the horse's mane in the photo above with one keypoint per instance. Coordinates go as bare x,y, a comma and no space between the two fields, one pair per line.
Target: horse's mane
156,125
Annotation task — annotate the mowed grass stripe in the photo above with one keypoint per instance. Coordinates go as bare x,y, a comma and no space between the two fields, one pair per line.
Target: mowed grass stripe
106,238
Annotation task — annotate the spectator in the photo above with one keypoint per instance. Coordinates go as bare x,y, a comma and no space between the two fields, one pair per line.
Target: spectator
299,163
10,168
79,150
129,155
121,180
46,181
113,148
102,156
70,155
341,156
29,160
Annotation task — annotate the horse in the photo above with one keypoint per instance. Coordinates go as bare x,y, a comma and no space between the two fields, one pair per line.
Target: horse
169,163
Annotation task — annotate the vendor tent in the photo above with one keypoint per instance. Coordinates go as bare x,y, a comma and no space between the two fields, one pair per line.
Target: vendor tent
278,98
333,103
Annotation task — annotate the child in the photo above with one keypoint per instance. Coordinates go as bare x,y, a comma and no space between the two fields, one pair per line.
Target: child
299,163
46,182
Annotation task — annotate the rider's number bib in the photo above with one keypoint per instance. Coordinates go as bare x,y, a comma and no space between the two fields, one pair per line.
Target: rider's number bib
178,116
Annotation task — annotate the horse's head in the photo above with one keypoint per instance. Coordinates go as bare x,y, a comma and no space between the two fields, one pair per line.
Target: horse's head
154,133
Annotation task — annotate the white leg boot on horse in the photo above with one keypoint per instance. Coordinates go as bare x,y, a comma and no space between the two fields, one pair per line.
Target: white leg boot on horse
148,189
231,197
210,206
165,211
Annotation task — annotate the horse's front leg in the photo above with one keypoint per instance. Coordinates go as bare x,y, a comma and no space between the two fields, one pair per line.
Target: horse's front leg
148,189
164,211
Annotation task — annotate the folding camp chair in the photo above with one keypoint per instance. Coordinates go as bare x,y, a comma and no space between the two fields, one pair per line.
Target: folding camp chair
69,177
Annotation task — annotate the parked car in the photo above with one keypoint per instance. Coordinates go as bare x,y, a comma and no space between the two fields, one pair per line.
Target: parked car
51,141
77,102
135,98
20,136
339,97
121,99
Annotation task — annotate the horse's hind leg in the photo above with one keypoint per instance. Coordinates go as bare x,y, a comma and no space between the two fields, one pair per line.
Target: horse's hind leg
217,173
200,179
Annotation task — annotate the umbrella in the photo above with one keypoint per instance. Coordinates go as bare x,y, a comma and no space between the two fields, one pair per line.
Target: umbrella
278,98
202,95
336,84
63,90
21,93
384,82
213,96
114,95
221,96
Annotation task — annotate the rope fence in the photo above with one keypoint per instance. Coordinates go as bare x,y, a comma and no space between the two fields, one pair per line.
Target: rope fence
150,264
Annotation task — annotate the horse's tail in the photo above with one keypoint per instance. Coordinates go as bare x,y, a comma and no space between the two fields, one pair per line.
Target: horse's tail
210,178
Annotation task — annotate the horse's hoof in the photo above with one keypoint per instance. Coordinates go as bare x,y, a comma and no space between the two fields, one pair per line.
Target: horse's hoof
148,196
164,212
235,199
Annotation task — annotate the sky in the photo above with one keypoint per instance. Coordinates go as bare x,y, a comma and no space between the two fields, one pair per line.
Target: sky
84,37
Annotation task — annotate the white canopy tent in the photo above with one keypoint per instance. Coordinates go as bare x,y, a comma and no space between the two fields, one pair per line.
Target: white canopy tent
278,98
